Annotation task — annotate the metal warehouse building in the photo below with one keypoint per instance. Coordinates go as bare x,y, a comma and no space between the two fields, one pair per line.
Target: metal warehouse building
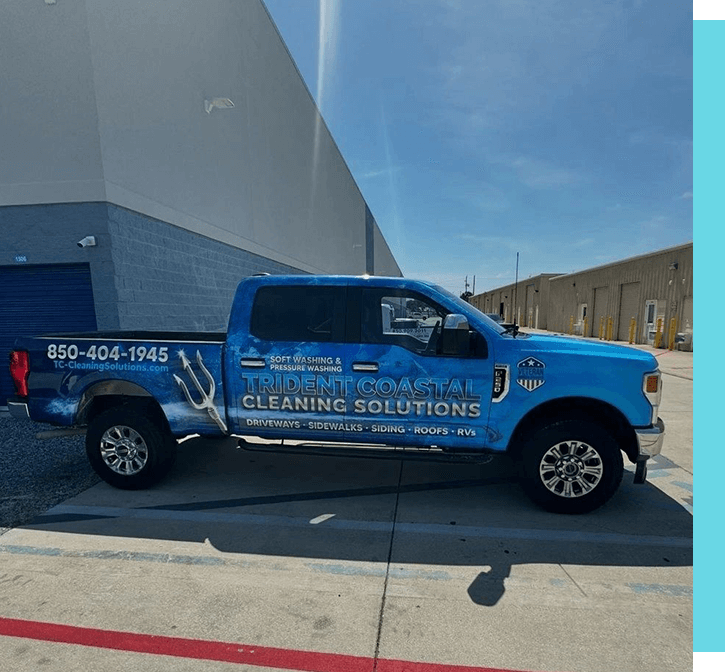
179,142
633,297
530,296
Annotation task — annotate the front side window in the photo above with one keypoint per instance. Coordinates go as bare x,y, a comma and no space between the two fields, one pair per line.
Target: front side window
299,313
401,318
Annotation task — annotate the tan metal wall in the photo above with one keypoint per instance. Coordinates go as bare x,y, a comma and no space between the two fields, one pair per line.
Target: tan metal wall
629,308
658,280
599,312
531,294
665,276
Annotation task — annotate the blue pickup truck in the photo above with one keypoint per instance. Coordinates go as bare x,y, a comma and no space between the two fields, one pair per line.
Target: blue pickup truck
376,363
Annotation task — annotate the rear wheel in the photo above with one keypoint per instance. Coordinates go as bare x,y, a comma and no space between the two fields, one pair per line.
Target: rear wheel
129,447
571,466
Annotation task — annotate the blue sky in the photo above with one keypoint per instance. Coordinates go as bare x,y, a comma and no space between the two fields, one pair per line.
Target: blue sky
476,129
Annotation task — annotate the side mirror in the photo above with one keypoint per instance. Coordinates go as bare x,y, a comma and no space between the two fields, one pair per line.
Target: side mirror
455,339
456,321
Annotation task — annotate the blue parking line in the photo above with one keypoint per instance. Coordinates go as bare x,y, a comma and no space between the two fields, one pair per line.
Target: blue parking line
661,589
163,558
356,570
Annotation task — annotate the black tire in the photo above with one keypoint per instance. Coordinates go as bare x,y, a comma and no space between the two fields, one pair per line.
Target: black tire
130,446
571,466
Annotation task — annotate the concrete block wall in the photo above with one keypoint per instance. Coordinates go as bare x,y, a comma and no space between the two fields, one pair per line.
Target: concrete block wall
146,274
168,278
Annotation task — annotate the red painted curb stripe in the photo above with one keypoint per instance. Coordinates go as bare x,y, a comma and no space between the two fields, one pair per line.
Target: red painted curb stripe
263,656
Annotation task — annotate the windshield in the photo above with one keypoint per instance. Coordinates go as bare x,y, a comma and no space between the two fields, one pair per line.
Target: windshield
467,307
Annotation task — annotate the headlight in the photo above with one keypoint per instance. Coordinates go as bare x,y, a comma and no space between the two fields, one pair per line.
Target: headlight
652,388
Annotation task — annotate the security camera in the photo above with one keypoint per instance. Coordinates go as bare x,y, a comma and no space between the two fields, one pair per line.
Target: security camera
88,241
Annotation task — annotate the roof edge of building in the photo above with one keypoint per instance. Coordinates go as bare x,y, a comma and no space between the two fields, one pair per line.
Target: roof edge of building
628,260
556,276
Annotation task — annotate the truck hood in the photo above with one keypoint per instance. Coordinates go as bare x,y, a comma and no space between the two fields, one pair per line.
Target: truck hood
563,345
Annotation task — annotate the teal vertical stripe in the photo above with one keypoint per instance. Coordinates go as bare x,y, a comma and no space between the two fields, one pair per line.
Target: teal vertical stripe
709,213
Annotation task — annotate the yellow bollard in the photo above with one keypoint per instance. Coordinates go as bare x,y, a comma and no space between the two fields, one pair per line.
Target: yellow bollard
673,329
610,328
585,327
601,328
632,329
571,326
658,333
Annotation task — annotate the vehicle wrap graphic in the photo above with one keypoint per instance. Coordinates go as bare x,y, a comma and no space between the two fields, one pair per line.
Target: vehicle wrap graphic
108,357
530,373
207,398
188,390
383,396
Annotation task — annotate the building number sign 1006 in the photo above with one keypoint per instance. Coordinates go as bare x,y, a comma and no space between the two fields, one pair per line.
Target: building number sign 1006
102,353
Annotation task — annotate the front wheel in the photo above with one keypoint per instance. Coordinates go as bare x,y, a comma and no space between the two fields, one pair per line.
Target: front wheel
571,466
128,448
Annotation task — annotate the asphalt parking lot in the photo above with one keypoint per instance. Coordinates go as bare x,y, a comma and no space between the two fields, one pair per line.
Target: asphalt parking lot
252,561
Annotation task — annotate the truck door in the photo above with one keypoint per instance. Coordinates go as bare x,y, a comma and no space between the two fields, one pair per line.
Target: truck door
287,375
404,390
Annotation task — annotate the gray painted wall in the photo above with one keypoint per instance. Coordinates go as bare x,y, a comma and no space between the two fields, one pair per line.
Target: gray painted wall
384,263
49,144
104,100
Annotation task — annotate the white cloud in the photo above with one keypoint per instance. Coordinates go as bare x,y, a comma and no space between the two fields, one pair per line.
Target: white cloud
493,248
510,55
653,223
491,242
382,172
479,195
538,174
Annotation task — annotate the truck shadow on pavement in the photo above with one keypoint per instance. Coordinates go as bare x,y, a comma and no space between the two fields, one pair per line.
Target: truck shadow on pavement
396,513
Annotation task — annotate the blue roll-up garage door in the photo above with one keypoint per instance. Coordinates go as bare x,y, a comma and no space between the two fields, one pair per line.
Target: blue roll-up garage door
41,299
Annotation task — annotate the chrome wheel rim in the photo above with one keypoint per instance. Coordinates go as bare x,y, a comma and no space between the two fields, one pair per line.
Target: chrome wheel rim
571,469
124,450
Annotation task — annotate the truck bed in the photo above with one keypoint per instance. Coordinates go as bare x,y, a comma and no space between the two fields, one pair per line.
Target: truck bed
180,370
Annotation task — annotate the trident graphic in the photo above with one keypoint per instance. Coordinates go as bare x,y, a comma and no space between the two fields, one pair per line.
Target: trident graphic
207,399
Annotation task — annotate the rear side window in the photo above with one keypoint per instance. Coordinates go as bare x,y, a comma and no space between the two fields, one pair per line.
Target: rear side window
303,314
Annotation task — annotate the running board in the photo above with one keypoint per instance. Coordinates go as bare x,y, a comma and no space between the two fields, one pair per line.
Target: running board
369,451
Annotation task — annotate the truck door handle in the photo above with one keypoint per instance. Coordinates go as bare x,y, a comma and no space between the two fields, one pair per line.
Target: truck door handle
252,363
371,367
